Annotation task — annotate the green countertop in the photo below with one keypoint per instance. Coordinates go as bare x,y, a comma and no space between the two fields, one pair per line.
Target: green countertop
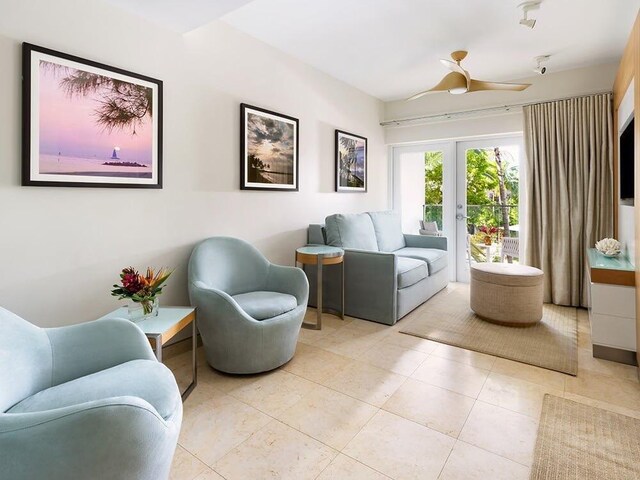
597,260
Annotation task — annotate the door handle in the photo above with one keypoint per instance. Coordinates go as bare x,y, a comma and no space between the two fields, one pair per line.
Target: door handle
460,216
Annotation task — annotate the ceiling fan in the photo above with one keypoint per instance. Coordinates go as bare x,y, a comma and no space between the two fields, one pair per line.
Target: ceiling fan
458,80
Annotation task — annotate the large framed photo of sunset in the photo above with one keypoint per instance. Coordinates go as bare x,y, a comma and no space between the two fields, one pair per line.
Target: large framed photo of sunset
268,150
86,124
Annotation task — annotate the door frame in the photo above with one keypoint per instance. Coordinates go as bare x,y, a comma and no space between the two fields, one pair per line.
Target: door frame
451,149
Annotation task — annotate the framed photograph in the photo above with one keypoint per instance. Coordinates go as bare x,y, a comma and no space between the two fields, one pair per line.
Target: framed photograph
268,150
351,162
86,124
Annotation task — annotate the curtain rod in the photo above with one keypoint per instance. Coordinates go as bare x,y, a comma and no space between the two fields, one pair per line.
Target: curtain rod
478,111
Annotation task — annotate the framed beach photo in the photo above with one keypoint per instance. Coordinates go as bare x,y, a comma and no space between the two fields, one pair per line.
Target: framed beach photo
86,124
268,150
351,162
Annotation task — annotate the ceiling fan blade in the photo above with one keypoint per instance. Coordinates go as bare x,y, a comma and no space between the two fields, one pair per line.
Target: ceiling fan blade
453,66
478,85
450,81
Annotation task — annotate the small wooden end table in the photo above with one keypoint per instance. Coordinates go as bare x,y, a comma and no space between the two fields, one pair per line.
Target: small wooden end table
321,255
162,328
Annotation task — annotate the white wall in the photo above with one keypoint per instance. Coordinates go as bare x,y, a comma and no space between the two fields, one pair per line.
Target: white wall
544,87
61,249
408,190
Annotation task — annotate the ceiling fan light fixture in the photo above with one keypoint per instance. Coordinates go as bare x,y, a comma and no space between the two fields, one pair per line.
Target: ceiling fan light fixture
528,22
458,90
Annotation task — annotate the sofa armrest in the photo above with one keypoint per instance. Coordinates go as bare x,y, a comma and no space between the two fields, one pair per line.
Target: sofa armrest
90,347
371,283
315,234
425,241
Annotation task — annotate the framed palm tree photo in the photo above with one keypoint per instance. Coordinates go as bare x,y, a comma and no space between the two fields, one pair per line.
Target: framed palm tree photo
351,162
86,124
268,150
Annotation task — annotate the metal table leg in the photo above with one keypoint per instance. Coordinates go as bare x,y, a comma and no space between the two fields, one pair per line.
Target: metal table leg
194,363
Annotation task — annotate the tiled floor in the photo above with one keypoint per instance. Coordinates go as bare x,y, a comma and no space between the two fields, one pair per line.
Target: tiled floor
362,401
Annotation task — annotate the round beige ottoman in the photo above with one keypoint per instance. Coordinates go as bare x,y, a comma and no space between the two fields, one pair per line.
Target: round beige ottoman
507,294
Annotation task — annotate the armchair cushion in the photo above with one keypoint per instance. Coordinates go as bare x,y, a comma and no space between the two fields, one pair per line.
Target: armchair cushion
351,231
388,228
145,379
411,271
436,259
262,305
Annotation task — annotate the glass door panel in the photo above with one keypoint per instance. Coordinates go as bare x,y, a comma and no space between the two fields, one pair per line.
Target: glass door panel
487,203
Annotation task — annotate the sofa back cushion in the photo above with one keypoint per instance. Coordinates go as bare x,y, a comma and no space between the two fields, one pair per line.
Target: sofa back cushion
351,231
388,228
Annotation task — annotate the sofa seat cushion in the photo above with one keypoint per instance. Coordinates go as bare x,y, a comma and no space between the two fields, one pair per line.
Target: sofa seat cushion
351,231
388,228
436,259
262,305
411,271
145,379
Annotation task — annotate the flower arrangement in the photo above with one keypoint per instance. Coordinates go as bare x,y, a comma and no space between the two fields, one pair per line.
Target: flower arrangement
609,247
142,289
488,230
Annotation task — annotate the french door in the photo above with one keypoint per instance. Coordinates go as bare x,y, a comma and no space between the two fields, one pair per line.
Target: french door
471,190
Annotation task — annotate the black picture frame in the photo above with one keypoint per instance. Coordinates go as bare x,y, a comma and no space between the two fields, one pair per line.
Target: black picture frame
32,166
340,182
251,176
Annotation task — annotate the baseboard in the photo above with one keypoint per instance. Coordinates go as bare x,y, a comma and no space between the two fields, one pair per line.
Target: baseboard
615,355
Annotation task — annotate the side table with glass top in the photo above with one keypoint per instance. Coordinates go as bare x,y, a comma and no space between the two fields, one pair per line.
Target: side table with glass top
162,328
321,255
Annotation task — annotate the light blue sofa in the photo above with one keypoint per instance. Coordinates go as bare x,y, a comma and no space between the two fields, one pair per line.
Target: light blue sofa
387,273
249,310
84,401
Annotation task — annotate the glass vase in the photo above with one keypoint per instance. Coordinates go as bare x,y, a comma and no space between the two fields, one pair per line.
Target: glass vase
142,310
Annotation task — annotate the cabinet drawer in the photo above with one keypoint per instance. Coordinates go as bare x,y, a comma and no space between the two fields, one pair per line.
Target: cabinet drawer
613,300
612,331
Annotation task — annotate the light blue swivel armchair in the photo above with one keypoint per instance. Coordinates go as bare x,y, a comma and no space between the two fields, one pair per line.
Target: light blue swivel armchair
249,310
87,401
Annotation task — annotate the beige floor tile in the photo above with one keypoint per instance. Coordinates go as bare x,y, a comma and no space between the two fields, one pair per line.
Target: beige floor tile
608,389
500,431
468,462
451,375
214,425
328,416
330,324
394,358
432,406
185,466
587,362
603,405
515,394
315,364
530,373
351,341
274,392
400,448
346,468
411,342
468,357
210,475
277,451
584,340
367,383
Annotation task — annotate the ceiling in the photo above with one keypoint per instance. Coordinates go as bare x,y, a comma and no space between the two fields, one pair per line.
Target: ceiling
390,48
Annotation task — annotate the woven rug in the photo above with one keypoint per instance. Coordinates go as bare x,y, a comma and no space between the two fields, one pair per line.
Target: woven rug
580,442
551,344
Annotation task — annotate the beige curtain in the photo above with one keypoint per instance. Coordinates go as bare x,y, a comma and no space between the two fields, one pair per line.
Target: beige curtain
569,190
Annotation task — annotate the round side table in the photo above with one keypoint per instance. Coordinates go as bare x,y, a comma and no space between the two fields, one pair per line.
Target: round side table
321,255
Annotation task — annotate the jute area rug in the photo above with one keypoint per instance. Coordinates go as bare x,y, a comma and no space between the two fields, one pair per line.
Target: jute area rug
551,344
580,442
